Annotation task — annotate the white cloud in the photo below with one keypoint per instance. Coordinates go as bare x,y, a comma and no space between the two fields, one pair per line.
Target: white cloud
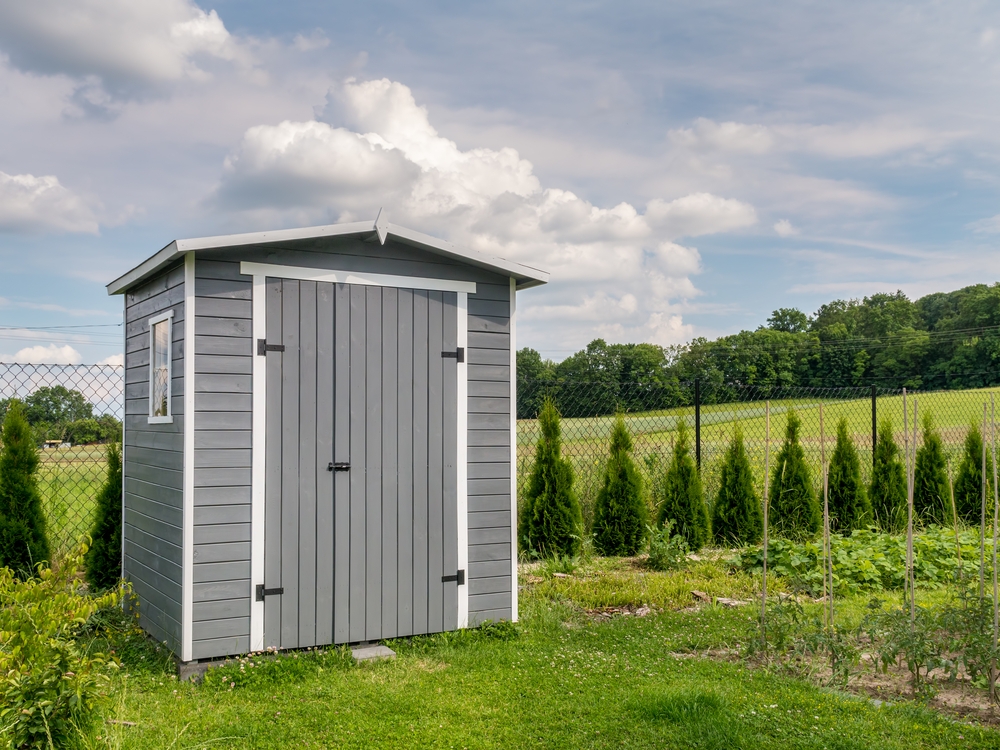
487,199
51,354
784,228
116,360
29,203
316,40
708,135
126,45
989,225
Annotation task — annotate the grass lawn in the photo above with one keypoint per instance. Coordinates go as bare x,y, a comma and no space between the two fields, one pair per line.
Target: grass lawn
568,680
69,480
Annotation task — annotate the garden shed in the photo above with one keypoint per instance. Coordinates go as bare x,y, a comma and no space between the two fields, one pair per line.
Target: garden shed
319,437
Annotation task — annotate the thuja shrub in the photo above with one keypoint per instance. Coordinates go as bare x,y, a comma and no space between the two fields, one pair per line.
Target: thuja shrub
887,492
848,497
931,493
969,479
737,518
620,512
50,684
104,558
794,508
551,523
683,500
24,544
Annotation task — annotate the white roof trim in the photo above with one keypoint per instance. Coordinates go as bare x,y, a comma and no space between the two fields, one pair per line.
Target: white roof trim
526,276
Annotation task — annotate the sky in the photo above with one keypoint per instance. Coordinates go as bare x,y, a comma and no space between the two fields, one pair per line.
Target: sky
681,169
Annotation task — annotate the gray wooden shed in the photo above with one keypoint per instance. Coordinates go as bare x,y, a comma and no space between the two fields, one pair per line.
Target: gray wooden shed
319,438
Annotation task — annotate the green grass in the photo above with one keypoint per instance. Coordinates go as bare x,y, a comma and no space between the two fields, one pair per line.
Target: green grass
69,480
567,681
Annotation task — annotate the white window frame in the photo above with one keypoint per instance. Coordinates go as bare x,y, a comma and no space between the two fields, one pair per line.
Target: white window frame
168,316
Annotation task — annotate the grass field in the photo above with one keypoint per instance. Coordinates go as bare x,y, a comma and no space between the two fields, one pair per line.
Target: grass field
69,480
570,679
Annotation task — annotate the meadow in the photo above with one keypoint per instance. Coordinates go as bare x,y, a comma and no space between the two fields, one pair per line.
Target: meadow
69,480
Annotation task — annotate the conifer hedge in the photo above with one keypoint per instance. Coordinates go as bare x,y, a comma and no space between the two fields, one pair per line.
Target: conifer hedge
103,561
795,510
887,491
931,493
683,500
737,516
620,511
23,541
551,523
848,496
969,479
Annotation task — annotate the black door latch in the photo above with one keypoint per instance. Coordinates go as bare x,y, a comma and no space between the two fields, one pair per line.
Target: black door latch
263,347
339,466
458,355
459,578
262,592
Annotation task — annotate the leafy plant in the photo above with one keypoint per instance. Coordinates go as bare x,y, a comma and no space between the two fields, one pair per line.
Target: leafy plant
23,542
50,684
551,522
104,558
919,643
737,517
795,510
683,500
849,506
620,512
969,479
887,492
931,494
667,551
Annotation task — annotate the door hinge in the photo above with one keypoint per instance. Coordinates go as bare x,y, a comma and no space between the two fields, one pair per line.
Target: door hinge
339,466
262,592
458,354
263,347
459,577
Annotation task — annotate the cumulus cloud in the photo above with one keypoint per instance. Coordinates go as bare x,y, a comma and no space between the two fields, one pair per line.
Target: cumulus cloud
29,203
115,360
383,151
705,135
126,46
784,228
51,354
989,225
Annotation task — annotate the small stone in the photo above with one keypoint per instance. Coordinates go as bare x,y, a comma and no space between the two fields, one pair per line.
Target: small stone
724,602
701,596
560,575
372,652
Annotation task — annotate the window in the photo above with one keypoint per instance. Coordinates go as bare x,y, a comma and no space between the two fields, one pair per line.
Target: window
159,368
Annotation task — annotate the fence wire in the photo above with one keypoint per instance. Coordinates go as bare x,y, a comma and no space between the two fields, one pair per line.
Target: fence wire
653,411
74,411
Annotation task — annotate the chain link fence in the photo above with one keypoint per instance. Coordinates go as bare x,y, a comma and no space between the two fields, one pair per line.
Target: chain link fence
74,411
653,411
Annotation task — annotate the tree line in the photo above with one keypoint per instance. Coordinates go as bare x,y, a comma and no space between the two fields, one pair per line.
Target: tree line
941,341
59,413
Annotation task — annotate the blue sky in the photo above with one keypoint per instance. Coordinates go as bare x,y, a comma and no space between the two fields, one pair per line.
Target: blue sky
682,169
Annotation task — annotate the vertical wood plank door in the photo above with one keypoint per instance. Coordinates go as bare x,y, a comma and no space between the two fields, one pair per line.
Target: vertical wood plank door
359,553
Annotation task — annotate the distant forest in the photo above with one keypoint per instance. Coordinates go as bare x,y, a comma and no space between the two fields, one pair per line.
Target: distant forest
944,340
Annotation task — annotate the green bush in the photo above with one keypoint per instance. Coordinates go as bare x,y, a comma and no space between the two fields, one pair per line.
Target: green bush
931,493
969,480
50,684
620,512
23,541
551,523
104,558
795,510
667,551
683,500
737,516
849,506
887,492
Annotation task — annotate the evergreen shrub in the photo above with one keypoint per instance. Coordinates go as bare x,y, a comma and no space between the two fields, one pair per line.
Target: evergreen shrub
969,479
737,516
550,521
887,492
848,496
620,512
103,562
931,493
683,500
794,508
23,541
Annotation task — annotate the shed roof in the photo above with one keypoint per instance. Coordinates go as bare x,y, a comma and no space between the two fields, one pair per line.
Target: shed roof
526,276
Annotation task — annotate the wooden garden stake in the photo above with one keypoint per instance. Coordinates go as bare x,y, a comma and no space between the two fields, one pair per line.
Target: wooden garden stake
954,519
909,530
996,520
982,520
827,562
909,496
767,476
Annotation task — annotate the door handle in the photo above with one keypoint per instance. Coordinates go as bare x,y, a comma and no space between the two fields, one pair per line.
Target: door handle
339,466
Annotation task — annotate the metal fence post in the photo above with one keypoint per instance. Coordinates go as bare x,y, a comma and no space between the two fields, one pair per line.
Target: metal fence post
874,426
697,422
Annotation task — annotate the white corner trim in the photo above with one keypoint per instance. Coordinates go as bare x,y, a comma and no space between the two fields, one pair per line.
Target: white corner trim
258,464
355,277
462,465
513,450
187,606
159,318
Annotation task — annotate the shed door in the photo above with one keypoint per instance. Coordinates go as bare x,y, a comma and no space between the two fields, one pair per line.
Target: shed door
359,553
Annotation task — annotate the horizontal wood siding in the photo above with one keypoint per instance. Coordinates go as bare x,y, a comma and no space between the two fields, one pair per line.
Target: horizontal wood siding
154,461
223,369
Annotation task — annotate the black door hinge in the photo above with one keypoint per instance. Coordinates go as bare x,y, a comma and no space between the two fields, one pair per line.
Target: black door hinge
339,466
262,592
458,354
263,347
459,577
